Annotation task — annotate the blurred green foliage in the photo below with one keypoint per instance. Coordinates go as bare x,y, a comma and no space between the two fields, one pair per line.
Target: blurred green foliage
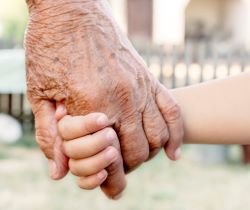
13,19
27,140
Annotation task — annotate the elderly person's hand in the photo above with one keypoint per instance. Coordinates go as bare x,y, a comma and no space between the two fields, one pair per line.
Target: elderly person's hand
76,53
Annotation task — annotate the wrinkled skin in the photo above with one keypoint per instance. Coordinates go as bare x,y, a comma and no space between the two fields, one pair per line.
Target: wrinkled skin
76,54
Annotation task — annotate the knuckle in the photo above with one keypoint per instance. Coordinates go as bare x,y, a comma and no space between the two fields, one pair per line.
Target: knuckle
156,142
73,167
67,147
109,129
113,150
173,113
110,134
159,137
87,127
87,185
144,156
63,128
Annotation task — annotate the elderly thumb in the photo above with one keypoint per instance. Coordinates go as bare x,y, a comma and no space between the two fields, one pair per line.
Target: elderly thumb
48,138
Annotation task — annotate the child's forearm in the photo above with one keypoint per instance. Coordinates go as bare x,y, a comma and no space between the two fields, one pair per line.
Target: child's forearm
216,112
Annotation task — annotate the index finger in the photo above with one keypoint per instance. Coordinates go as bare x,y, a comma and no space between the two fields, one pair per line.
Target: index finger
75,127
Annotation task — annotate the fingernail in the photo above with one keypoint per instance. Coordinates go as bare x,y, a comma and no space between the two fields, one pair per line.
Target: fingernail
111,155
177,153
102,120
102,175
117,197
110,135
52,169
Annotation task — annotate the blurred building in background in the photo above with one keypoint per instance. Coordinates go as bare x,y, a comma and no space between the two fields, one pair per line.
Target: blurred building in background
226,22
13,101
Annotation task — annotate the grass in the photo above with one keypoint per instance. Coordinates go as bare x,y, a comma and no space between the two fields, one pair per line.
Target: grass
157,185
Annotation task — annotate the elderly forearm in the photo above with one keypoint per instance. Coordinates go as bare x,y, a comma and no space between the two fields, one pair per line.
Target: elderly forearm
217,112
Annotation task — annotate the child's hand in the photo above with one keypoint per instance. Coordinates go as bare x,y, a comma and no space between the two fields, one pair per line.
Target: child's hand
94,153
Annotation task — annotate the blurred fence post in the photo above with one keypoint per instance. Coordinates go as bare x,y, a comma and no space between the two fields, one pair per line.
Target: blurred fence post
187,60
13,105
174,62
1,103
162,60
